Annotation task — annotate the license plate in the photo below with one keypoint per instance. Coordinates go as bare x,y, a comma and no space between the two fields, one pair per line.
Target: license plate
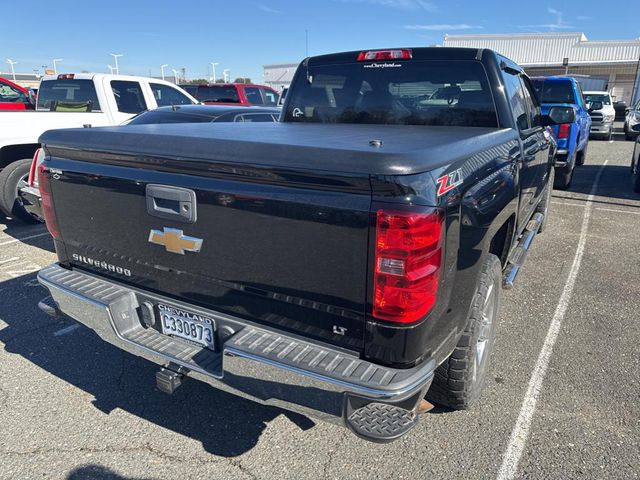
187,325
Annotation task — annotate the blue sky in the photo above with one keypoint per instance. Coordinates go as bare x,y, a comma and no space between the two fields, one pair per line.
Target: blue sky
244,35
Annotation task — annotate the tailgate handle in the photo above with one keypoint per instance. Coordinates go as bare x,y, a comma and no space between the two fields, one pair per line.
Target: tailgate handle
172,203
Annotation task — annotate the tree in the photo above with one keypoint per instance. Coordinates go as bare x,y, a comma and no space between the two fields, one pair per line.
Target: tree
197,81
242,80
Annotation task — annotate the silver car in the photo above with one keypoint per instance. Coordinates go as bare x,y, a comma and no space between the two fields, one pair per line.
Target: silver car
632,118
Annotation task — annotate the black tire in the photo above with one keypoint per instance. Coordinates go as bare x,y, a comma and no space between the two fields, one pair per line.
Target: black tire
581,156
563,179
11,177
545,203
459,380
636,180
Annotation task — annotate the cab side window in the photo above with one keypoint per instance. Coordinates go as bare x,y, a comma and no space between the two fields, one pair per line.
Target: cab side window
533,110
128,96
166,95
515,95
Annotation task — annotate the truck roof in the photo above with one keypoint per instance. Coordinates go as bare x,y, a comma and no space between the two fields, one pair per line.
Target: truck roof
418,53
554,78
97,76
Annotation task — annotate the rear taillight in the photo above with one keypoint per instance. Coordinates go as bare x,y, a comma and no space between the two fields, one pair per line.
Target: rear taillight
563,130
38,158
47,203
399,54
407,264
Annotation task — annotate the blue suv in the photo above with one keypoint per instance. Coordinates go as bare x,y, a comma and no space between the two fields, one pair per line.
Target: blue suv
572,138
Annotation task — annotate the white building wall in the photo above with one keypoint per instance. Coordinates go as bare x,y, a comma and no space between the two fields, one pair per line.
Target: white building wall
616,61
279,76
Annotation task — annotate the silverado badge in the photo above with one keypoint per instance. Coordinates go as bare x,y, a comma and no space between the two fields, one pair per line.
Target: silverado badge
175,241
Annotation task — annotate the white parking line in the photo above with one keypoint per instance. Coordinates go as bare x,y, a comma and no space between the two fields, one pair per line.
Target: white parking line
66,330
9,260
23,238
567,203
520,432
617,210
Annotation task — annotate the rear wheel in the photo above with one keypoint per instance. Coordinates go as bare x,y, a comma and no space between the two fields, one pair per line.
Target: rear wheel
458,381
581,156
563,179
12,178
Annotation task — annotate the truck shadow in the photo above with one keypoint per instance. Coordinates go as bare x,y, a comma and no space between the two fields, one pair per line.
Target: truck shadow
615,183
97,472
226,425
31,234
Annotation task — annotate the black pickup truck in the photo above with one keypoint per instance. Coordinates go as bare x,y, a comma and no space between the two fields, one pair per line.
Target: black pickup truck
342,263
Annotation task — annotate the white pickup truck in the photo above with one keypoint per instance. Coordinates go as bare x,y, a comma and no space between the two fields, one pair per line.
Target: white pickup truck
71,101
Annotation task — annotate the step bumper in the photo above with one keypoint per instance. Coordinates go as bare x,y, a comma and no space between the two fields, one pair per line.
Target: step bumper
250,361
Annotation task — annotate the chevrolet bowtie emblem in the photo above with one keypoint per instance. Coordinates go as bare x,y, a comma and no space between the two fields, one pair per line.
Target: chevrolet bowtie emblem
175,241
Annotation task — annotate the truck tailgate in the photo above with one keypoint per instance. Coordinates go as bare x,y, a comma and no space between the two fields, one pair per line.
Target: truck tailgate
280,248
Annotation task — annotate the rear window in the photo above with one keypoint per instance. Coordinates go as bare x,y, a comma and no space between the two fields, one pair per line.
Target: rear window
216,94
410,93
556,91
68,95
155,116
605,99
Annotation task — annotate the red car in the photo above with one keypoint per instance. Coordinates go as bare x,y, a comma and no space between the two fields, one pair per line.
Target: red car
234,94
14,97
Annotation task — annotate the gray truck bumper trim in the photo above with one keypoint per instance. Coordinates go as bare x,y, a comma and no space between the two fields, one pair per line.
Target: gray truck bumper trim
263,365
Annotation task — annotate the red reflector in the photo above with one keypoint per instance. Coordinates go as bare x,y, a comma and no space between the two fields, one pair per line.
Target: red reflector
407,264
400,54
46,201
563,130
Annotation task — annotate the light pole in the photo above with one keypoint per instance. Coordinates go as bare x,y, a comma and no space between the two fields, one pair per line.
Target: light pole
227,75
110,69
213,69
55,67
13,72
175,75
115,57
162,69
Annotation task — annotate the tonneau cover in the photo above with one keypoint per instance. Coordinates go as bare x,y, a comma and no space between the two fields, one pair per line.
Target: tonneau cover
338,148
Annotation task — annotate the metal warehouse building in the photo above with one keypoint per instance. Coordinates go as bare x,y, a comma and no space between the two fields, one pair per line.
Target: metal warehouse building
601,65
279,76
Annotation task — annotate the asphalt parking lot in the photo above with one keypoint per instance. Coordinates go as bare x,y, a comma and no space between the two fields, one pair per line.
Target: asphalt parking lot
73,407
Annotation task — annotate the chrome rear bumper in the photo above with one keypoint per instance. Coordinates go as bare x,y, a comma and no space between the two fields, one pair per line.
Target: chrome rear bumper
253,362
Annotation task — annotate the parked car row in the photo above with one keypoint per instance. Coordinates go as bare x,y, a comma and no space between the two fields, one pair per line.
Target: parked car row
234,94
29,192
93,100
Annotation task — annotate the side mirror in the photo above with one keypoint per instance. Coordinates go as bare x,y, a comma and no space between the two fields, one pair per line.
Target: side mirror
636,127
558,115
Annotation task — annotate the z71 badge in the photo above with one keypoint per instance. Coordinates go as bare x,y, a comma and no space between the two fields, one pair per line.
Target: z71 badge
449,182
